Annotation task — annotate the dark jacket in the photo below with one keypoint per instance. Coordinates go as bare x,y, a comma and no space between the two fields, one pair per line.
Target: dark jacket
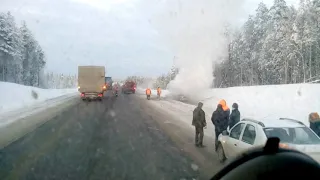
315,126
234,117
218,119
314,120
199,118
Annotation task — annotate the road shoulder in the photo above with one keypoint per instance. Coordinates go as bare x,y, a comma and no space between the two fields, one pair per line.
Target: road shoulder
28,123
183,135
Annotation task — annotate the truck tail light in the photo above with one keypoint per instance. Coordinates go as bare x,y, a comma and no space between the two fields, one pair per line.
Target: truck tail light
100,95
82,95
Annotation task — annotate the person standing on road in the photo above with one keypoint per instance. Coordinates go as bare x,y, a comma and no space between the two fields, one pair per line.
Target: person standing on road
148,93
219,122
226,114
159,92
199,122
234,116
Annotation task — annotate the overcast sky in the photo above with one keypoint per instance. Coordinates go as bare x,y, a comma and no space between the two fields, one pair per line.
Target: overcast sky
113,33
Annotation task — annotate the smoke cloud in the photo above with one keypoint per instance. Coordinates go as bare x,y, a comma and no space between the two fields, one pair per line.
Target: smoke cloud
194,30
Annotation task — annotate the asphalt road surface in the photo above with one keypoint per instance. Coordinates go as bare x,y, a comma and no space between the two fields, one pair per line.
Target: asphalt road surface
112,139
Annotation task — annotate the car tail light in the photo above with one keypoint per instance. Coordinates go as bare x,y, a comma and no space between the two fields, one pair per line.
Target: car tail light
100,95
82,94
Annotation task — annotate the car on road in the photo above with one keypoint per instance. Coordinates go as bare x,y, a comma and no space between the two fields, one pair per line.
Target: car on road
129,87
249,134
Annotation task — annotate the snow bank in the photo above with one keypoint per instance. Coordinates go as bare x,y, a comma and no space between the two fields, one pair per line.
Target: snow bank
267,102
259,102
15,96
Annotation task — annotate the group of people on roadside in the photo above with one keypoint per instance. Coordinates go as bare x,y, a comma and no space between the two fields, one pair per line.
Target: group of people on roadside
221,119
148,93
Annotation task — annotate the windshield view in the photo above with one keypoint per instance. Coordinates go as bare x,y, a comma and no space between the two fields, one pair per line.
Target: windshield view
151,89
299,135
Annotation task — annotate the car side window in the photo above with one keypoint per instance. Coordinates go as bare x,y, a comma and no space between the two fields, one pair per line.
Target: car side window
236,131
249,134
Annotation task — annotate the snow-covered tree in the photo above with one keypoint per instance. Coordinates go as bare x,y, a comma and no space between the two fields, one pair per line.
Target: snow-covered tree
277,45
21,57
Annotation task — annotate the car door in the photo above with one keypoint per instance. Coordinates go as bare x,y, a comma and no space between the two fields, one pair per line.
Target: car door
248,138
231,145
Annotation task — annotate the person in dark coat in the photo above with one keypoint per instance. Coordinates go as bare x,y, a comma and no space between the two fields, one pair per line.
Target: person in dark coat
234,116
314,121
226,114
199,122
219,122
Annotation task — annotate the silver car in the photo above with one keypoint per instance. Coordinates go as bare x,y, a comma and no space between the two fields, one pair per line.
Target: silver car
248,134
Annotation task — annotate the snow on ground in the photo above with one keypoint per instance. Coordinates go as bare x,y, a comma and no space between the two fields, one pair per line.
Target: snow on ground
16,96
267,102
259,102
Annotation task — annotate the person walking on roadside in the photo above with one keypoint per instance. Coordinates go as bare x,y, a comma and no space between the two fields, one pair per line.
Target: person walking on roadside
148,93
234,116
219,122
199,122
159,92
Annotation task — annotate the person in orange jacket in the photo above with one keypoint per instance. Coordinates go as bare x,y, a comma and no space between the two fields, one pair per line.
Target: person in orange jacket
148,93
158,92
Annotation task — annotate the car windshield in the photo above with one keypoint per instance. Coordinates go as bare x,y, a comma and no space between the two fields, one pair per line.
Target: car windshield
79,79
297,135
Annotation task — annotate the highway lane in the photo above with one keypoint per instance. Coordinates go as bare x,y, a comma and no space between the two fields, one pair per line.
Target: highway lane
118,138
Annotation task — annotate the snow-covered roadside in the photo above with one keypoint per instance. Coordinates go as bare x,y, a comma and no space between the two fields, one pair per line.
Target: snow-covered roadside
263,102
20,101
16,96
15,115
267,102
258,102
182,112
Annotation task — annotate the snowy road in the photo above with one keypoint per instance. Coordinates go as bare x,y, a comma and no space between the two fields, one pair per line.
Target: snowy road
119,138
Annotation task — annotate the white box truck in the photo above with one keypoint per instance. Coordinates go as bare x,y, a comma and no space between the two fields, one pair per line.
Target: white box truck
91,82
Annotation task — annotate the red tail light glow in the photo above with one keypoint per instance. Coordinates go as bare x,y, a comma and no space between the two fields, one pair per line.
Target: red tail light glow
100,95
82,94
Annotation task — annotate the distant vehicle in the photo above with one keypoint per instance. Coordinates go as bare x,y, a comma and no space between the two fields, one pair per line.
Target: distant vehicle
129,87
248,134
91,82
109,82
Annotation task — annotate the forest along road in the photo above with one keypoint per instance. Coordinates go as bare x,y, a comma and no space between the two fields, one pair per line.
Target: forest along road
112,139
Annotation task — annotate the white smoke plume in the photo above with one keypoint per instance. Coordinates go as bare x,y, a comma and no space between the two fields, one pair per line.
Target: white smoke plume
194,30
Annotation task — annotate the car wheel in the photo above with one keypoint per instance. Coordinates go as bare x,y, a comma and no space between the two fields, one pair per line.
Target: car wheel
221,155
